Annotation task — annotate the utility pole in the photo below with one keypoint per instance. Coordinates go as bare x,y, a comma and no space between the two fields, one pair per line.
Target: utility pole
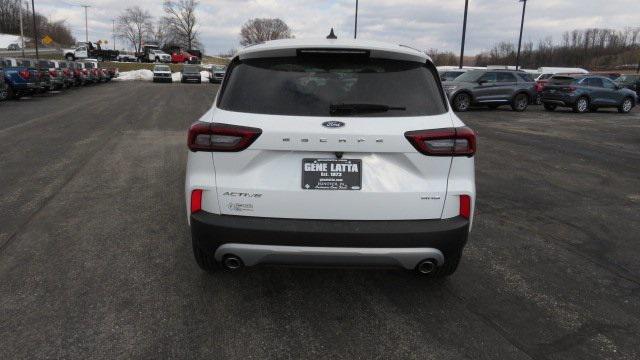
35,29
464,31
86,24
524,8
21,29
355,29
114,33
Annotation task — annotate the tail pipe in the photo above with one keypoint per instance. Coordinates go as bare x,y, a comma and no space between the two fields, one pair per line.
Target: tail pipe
426,267
232,262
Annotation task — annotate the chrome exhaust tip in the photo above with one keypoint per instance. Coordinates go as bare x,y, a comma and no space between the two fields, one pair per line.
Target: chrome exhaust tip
232,262
426,267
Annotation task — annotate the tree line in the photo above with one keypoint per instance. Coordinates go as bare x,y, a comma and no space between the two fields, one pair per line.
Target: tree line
592,48
177,28
59,31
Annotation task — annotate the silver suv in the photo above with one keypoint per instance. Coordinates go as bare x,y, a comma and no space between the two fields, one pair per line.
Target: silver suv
491,88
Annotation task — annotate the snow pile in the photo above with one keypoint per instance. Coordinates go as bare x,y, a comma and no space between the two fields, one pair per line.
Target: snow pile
176,76
204,76
6,40
144,75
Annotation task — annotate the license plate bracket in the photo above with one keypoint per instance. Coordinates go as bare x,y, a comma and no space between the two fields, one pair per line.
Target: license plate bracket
331,174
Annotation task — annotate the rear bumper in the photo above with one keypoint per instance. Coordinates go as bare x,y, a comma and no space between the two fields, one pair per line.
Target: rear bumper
331,242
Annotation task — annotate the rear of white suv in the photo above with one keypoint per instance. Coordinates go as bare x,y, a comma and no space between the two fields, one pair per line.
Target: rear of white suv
330,153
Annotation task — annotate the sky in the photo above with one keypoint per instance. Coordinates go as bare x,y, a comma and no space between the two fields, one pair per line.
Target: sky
422,24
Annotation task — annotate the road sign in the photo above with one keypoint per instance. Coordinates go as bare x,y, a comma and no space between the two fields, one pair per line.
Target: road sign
47,40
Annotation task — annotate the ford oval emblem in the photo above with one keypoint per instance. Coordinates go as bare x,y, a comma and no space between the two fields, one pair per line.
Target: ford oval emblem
333,124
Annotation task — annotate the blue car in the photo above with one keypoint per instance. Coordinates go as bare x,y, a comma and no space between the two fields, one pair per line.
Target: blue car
20,80
585,93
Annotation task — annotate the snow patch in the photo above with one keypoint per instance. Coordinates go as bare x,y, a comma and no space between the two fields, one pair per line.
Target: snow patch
6,40
140,75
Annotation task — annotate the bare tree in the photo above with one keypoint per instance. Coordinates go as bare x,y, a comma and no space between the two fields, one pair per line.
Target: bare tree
134,26
181,21
256,31
160,33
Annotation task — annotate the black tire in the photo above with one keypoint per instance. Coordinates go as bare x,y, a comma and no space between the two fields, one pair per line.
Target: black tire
157,59
538,99
450,266
550,107
70,57
200,81
100,59
11,94
581,106
461,102
626,105
520,102
205,260
4,94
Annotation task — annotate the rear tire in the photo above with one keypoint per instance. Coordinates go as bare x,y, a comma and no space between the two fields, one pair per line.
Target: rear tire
205,261
581,106
450,266
626,106
520,102
550,107
461,102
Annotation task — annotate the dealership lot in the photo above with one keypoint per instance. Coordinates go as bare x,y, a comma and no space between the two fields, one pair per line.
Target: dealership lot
95,253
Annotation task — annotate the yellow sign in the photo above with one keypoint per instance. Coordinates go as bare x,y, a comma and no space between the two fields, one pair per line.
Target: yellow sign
47,40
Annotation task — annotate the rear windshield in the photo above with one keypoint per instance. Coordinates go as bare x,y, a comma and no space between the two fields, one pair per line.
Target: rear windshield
562,80
309,85
191,70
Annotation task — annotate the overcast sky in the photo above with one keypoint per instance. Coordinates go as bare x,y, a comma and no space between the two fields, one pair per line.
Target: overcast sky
421,24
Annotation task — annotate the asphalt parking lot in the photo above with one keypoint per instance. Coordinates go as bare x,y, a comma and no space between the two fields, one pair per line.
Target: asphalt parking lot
96,262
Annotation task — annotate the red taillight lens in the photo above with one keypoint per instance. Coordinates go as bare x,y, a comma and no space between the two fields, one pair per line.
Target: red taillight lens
196,201
221,137
52,73
444,142
84,71
465,206
25,74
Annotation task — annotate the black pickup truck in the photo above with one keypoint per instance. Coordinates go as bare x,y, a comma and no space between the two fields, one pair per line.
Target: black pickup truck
86,50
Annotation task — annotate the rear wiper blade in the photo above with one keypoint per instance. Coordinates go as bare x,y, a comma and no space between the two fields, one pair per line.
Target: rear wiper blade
355,108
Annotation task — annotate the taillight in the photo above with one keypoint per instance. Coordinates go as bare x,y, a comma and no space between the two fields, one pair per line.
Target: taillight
465,206
24,74
52,73
196,201
444,142
221,137
84,71
571,89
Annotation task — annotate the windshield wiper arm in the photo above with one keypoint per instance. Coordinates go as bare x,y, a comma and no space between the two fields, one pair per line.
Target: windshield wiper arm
355,108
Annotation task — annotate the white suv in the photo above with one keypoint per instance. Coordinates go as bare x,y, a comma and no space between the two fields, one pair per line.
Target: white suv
330,152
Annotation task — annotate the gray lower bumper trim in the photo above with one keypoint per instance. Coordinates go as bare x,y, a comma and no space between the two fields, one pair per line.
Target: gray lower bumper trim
251,255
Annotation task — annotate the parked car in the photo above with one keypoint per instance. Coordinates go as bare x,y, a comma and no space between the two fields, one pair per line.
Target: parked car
449,75
56,74
95,72
79,74
67,74
216,73
86,50
87,71
587,92
42,76
491,88
19,80
126,58
183,58
191,73
4,88
313,166
13,47
162,73
631,82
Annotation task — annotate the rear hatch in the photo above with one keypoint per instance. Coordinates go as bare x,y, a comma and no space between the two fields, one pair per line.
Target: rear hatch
331,139
560,86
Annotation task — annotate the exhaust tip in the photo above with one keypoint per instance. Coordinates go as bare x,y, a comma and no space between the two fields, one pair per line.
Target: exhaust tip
426,267
232,262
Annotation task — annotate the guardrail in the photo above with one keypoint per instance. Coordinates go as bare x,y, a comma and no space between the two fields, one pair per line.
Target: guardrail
29,52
